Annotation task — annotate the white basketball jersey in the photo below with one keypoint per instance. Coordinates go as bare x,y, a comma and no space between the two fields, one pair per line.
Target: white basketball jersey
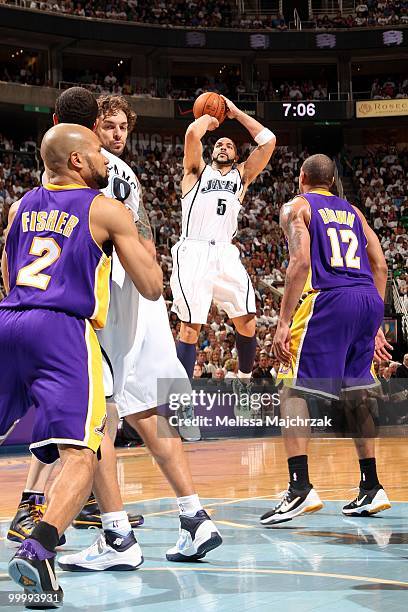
210,209
118,336
123,184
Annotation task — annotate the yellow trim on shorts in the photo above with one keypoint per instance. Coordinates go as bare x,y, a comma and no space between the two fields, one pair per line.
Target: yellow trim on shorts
101,292
96,415
372,371
308,288
304,313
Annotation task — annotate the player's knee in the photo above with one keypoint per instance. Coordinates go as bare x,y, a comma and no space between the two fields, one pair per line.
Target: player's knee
188,334
84,459
251,326
245,325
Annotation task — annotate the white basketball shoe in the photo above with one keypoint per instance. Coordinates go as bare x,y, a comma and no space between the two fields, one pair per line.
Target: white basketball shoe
111,551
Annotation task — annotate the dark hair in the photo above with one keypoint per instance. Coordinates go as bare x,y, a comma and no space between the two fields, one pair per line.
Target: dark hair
111,105
319,170
77,105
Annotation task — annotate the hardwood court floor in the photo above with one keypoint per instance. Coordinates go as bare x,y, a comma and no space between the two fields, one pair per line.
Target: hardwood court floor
321,562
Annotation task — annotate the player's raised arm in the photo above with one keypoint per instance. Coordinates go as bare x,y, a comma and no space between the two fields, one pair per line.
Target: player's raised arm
265,139
193,149
111,221
294,218
4,267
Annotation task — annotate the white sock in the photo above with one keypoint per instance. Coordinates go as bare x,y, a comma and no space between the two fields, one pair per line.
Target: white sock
189,505
244,375
117,522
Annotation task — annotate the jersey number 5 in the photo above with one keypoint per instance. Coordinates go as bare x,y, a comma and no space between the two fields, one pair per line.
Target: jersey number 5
221,207
48,251
348,237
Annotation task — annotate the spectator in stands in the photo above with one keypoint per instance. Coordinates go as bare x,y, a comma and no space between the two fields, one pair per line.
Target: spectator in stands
391,252
402,370
231,368
262,370
381,181
389,88
245,22
198,371
219,13
278,23
274,368
219,374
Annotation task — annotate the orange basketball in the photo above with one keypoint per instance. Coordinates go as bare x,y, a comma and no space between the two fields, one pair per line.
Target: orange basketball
210,103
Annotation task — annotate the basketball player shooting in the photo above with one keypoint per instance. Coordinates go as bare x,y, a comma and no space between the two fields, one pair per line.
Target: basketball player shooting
206,266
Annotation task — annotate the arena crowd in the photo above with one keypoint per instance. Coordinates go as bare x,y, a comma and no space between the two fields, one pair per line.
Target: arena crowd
219,13
381,184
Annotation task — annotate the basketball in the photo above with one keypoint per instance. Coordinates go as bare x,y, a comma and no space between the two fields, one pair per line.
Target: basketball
210,103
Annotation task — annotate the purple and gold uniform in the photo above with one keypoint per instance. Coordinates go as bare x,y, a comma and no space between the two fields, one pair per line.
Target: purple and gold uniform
333,331
59,292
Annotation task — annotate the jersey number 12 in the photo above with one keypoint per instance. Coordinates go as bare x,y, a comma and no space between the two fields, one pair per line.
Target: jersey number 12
347,237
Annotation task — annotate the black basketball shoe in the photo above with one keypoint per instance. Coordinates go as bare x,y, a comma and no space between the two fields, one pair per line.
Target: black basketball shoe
90,516
368,502
293,503
29,569
28,514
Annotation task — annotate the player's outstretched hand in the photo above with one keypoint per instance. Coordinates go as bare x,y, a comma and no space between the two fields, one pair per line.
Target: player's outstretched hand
233,110
381,346
213,123
281,343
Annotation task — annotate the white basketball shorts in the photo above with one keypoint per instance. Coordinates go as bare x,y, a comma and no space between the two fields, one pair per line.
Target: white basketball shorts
145,367
123,327
205,271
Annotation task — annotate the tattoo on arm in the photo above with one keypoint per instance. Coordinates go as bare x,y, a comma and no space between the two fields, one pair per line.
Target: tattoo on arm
294,238
289,222
143,225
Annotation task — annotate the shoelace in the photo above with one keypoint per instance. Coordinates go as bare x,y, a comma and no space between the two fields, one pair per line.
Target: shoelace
283,497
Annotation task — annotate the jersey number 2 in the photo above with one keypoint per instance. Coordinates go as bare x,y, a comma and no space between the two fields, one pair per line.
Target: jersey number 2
48,251
348,237
221,207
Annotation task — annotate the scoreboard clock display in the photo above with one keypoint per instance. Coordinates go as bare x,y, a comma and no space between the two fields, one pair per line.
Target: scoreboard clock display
300,109
306,111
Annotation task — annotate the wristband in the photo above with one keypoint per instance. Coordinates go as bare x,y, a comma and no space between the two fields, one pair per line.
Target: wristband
264,136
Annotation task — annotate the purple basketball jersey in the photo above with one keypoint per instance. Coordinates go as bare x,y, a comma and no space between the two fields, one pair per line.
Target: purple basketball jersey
53,260
337,244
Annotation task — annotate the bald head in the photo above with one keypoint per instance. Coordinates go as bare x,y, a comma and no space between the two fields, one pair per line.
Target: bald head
72,153
317,171
62,140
